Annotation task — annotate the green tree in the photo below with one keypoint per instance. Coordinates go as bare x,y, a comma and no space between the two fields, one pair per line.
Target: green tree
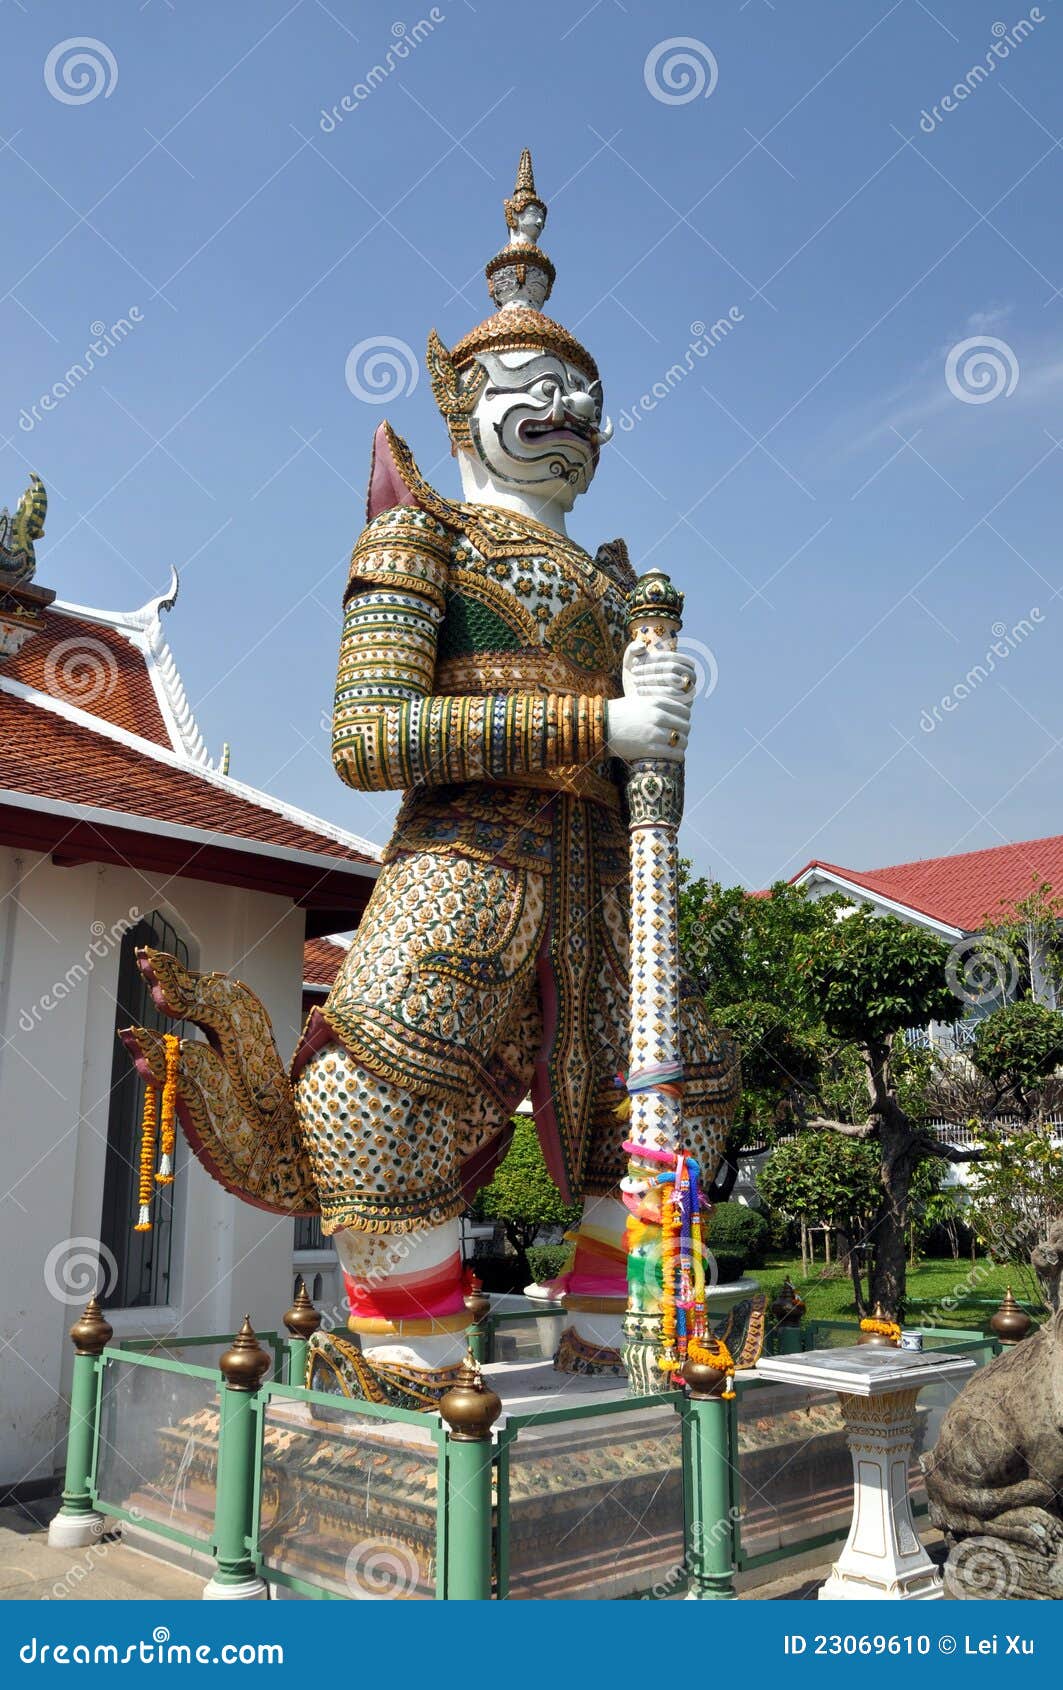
522,1195
1018,1193
870,978
740,949
819,1179
1017,1049
1021,952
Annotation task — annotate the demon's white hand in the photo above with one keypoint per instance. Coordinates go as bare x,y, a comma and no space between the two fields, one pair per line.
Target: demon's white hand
653,717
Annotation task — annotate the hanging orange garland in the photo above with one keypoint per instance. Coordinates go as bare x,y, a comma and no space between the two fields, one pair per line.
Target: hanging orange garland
172,1045
148,1123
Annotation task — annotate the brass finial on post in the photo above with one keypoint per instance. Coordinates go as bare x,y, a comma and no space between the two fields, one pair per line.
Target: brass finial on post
302,1319
470,1408
91,1332
77,1522
1010,1323
243,1365
245,1362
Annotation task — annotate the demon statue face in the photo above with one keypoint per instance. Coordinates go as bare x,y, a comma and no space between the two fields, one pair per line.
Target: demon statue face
537,426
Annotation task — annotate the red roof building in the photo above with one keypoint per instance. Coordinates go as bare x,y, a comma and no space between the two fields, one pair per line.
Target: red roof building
954,895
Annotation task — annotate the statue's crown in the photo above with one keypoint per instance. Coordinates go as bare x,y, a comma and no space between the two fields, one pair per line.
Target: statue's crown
520,279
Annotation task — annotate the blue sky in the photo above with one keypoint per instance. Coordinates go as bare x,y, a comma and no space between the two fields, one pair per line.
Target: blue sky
852,535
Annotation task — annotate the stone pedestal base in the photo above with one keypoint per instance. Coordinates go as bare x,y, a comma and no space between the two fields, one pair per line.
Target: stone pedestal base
75,1531
248,1590
883,1558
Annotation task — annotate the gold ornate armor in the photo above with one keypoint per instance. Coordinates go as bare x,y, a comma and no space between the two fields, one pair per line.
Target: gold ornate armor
478,651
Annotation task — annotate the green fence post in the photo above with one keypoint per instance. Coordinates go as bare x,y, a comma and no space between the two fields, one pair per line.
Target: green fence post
711,1529
234,1577
470,1409
479,1308
77,1522
302,1321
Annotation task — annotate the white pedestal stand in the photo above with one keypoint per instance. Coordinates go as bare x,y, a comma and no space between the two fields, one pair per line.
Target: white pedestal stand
883,1558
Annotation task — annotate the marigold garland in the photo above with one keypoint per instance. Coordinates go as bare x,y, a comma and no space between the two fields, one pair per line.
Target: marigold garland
884,1328
148,1123
172,1046
713,1352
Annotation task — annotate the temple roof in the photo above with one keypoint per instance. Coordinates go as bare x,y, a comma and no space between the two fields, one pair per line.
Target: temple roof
960,892
97,733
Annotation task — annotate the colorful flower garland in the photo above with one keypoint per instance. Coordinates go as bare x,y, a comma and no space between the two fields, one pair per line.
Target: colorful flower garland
149,1122
684,1327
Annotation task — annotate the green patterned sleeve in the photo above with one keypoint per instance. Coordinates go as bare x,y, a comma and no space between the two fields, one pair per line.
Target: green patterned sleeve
389,730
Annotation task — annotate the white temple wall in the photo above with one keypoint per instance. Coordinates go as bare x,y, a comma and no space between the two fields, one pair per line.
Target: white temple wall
56,1050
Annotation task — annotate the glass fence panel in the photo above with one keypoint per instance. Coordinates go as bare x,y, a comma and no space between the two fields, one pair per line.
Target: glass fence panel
526,1338
795,1476
157,1454
595,1507
348,1503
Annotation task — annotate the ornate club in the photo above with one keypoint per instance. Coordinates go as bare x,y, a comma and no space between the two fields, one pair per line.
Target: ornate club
655,808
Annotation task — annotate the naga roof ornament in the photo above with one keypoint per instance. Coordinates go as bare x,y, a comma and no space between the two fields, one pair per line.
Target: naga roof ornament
520,279
17,534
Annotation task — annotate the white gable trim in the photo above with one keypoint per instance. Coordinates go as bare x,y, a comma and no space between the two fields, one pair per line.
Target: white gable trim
864,895
143,629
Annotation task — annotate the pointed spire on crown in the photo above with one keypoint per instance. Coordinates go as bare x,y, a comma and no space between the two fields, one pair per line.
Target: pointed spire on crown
521,274
519,279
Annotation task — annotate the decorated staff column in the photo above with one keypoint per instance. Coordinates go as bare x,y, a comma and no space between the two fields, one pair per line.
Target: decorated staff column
661,1189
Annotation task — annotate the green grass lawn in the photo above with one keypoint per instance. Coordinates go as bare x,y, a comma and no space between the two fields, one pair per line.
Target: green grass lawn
829,1296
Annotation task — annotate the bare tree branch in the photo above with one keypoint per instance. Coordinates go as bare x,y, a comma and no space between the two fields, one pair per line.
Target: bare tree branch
846,1128
947,1152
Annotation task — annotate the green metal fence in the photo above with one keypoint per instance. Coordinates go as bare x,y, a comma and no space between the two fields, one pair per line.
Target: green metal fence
604,1497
